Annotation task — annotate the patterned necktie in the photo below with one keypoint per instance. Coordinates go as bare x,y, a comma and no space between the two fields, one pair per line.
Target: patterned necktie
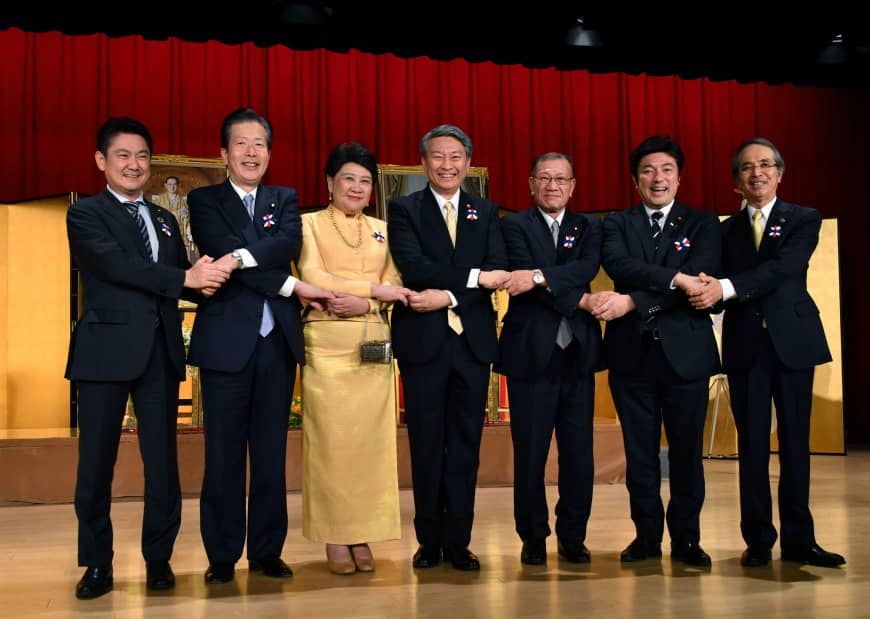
450,220
268,321
133,209
249,205
453,319
656,228
757,227
563,335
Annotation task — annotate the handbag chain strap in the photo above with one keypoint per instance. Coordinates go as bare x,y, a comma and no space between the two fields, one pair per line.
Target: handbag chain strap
380,320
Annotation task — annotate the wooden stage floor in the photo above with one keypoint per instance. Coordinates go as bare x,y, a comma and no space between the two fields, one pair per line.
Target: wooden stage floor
38,568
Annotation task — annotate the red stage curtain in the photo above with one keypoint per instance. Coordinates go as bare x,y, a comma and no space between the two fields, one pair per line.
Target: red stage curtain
57,89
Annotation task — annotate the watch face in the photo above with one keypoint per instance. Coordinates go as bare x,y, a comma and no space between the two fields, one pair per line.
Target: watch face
538,277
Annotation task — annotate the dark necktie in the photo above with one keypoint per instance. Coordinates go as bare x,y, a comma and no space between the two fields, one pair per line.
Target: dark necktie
133,209
656,228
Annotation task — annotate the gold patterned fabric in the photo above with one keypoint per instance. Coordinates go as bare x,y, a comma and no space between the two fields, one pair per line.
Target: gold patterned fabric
757,227
350,487
453,319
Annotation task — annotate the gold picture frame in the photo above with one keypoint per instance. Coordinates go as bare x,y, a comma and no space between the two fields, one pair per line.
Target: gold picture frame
400,180
190,173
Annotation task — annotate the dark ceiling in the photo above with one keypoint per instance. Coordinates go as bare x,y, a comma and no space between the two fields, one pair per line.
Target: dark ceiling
742,42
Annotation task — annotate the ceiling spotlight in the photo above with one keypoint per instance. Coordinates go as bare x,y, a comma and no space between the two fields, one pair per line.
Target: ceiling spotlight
835,53
583,37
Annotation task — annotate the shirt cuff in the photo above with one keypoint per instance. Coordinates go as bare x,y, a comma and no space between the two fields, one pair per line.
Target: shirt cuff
472,280
453,302
248,260
728,291
287,289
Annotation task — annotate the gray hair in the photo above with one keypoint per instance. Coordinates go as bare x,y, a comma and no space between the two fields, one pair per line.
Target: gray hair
446,131
777,157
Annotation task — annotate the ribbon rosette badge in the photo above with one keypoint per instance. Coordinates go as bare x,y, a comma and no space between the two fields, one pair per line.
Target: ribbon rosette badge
569,241
682,244
775,231
471,213
268,220
165,229
379,236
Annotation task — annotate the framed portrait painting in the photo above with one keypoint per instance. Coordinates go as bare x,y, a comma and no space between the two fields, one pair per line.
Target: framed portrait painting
172,178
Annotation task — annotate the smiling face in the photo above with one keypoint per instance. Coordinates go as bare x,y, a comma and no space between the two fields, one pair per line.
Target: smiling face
127,164
446,165
247,154
757,174
552,185
351,188
658,178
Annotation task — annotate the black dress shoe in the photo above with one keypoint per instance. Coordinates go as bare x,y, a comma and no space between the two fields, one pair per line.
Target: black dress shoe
427,555
461,558
159,576
574,551
96,581
639,549
814,555
219,573
691,554
273,567
755,556
534,551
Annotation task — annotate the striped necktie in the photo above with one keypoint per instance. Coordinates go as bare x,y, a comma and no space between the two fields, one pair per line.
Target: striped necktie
133,209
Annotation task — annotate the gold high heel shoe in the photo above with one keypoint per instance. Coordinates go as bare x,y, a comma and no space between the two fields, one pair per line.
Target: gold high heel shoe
362,557
339,559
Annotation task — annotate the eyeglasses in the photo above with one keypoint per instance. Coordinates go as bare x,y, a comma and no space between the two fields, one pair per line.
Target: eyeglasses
559,180
764,164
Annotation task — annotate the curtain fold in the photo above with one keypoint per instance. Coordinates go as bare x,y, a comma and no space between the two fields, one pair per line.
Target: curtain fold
57,90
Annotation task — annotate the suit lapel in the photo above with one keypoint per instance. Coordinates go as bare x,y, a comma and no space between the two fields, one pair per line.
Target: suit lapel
671,232
265,205
234,210
118,212
161,227
432,221
639,224
777,223
539,230
569,235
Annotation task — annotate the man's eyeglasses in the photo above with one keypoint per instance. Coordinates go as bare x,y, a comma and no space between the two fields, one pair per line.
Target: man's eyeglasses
559,180
764,164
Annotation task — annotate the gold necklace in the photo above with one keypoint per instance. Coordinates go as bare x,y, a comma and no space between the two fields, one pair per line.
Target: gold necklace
331,210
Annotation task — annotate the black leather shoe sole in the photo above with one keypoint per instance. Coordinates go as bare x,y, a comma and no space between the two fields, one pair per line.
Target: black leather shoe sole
815,555
574,553
755,557
461,558
427,557
159,576
94,583
273,567
219,574
534,552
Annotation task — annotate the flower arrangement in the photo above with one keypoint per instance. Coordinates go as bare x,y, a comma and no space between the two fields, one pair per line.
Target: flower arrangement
296,412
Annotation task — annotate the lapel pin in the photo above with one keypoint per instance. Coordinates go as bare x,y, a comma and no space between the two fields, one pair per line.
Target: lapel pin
268,220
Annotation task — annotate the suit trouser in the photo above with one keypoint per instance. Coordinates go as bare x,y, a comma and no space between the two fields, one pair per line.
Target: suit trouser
445,404
792,392
247,415
561,400
644,400
101,412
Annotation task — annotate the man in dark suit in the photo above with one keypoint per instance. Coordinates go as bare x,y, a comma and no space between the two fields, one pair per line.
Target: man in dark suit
772,339
549,350
448,246
247,340
128,341
659,349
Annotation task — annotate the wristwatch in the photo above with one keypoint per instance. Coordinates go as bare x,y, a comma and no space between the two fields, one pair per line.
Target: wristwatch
538,278
238,256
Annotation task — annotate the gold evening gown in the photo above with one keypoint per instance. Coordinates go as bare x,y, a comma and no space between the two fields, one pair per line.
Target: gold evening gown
350,488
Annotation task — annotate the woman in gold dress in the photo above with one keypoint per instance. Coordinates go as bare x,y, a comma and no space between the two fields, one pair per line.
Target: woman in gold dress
350,489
